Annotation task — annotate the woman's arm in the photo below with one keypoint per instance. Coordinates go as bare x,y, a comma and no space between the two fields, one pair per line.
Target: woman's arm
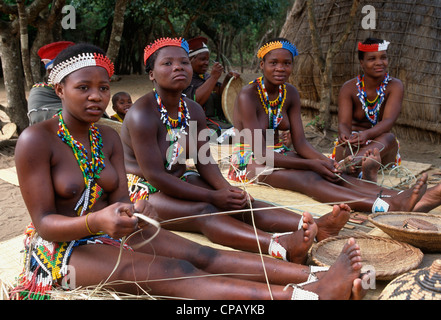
345,107
392,109
33,157
309,159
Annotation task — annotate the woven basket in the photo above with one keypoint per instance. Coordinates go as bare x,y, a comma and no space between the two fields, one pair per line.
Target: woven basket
387,257
111,123
393,223
421,284
229,95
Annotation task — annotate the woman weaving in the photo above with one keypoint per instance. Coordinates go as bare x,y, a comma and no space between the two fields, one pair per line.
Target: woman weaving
368,107
269,103
73,182
158,133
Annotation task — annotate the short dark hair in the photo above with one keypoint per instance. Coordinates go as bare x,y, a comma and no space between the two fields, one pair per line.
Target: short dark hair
368,41
116,96
150,63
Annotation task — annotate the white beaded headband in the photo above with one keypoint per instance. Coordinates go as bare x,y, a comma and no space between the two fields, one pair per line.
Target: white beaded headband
62,69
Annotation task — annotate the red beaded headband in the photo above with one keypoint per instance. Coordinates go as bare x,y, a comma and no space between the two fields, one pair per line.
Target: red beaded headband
62,69
374,47
164,42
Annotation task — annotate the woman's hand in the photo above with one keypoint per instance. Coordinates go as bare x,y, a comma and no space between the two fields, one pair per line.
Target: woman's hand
328,169
116,220
358,138
231,198
145,208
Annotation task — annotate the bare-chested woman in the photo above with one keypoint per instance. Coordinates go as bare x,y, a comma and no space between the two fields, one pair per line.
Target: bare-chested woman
155,162
73,182
368,107
269,104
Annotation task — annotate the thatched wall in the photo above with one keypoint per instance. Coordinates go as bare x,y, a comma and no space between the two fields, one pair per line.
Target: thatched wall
414,30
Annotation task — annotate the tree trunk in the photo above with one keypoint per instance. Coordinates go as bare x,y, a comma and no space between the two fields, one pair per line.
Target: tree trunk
16,108
117,29
24,43
47,25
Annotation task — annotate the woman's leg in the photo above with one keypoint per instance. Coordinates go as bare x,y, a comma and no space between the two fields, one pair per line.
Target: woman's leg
139,272
386,143
228,231
313,185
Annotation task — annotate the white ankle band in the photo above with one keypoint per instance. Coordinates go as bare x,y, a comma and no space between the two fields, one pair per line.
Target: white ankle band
275,249
301,294
380,206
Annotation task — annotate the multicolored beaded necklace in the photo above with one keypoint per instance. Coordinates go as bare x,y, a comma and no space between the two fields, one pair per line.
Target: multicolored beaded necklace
272,108
90,169
174,128
372,108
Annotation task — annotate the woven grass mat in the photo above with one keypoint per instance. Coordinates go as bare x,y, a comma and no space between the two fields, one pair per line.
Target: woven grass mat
11,250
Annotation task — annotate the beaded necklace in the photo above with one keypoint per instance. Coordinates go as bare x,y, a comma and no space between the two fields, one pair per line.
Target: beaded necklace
372,108
174,128
272,108
89,169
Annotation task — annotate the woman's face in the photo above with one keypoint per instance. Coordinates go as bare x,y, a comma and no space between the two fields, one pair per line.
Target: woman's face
277,66
172,69
85,93
375,63
201,62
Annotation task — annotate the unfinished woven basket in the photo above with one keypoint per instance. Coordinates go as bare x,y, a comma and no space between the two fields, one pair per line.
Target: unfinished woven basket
388,258
111,123
229,95
421,284
423,233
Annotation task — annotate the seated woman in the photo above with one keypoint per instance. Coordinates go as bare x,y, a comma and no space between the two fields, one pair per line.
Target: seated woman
368,107
73,182
162,130
269,104
205,87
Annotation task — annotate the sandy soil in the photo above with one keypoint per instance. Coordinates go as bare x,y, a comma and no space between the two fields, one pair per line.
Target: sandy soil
13,213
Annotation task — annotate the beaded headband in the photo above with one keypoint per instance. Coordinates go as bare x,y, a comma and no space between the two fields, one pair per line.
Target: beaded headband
200,50
83,60
277,45
164,42
374,47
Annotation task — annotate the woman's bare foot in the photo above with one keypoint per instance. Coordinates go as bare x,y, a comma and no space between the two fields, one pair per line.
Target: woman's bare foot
430,200
370,164
341,281
331,223
347,165
406,200
297,244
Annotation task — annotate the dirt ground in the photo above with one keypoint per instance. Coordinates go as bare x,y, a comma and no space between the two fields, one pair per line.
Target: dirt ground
14,216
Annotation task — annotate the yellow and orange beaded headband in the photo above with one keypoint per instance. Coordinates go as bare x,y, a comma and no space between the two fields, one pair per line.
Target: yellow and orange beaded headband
83,60
164,42
277,45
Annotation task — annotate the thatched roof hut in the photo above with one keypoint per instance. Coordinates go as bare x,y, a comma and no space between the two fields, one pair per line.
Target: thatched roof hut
414,30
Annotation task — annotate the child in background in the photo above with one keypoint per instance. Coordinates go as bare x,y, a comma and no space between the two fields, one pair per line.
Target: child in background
121,103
